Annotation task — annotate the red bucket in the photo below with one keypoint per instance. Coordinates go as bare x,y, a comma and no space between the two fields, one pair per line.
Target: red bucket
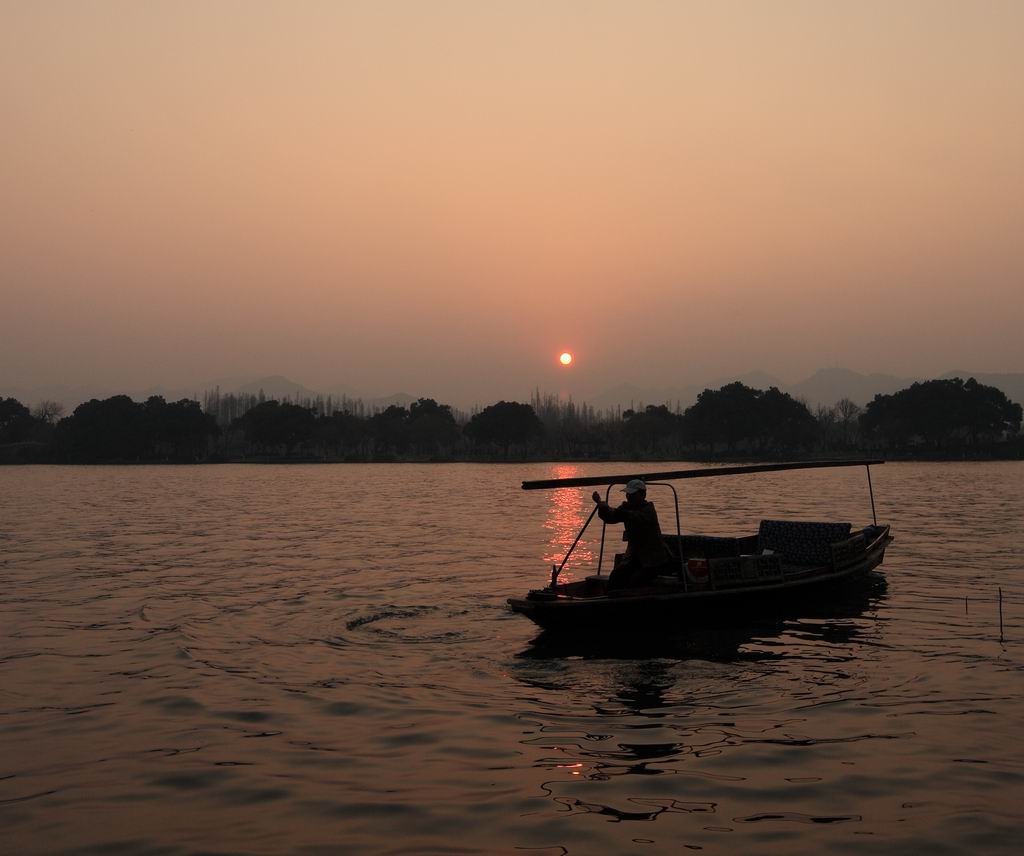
697,571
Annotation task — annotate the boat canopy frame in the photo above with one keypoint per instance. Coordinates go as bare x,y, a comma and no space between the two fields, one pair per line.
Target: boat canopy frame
604,529
661,479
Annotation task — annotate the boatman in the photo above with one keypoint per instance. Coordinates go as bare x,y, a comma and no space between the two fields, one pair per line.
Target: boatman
646,553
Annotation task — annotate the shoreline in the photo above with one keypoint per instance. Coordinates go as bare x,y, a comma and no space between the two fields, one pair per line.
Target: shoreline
893,457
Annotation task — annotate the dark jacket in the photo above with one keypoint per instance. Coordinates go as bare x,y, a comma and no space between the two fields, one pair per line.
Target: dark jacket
643,533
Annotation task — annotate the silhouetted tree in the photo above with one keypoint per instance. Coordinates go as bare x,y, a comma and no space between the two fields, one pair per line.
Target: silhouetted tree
390,429
49,412
343,433
108,430
781,422
721,415
431,426
505,424
653,429
763,419
935,414
16,422
119,429
826,417
272,425
940,413
179,430
848,412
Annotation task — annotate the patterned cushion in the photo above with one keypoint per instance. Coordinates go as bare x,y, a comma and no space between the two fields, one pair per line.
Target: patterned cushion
803,543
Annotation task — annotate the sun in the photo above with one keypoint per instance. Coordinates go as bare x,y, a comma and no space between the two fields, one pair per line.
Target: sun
565,359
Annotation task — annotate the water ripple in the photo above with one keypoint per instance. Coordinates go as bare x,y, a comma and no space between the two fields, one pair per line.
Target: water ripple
262,660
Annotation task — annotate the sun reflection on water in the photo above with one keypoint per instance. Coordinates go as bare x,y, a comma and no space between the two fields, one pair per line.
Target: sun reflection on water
567,512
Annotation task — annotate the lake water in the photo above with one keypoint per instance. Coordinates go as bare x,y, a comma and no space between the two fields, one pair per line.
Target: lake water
267,659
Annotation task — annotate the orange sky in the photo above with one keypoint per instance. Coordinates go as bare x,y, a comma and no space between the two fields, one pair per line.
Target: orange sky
440,197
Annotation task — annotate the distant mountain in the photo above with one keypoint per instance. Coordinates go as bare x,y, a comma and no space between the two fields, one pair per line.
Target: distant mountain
827,386
274,386
230,382
342,389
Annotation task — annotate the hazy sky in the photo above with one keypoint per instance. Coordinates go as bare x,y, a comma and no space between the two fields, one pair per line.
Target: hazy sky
438,197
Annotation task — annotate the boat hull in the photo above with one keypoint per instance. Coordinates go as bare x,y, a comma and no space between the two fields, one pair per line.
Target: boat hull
677,610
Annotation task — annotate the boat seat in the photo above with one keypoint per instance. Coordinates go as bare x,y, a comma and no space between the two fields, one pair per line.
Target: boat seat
801,542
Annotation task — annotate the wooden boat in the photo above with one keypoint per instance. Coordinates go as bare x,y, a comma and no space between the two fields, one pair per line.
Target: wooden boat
712,577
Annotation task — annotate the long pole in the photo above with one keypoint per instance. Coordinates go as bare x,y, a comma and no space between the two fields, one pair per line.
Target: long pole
871,490
703,472
573,547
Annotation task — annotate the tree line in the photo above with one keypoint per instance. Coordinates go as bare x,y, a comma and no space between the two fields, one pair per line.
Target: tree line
940,417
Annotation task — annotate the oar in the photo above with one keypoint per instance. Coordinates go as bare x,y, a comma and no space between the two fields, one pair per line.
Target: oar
556,571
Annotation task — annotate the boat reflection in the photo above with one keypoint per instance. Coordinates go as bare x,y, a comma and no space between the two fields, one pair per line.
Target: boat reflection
567,512
647,707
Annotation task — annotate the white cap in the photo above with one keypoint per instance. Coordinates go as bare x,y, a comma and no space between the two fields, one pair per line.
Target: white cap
635,486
